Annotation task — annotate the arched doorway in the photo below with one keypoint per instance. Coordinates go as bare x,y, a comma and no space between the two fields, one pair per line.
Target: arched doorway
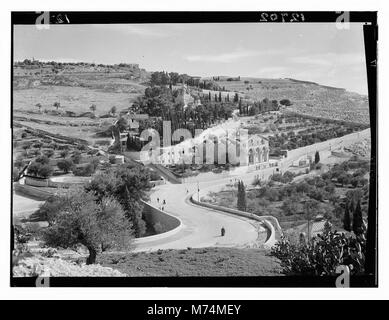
251,156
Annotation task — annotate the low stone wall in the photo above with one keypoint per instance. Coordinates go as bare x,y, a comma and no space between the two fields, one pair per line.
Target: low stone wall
54,183
153,215
270,222
328,145
270,241
30,181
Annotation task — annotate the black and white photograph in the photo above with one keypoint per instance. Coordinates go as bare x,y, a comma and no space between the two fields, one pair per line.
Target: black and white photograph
198,150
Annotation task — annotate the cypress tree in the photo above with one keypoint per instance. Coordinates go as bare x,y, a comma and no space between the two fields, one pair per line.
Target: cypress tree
357,219
317,157
220,96
209,95
347,219
241,197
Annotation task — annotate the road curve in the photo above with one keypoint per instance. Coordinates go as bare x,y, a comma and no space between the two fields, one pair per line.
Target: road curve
201,226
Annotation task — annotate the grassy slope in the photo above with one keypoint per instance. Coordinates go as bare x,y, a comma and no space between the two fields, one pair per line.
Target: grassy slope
195,262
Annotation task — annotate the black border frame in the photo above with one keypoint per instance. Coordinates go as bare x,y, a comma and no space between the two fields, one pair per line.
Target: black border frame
370,31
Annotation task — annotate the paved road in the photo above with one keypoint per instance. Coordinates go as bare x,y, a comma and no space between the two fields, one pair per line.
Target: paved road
201,226
23,207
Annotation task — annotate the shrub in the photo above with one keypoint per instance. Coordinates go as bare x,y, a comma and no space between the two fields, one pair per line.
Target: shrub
158,228
321,255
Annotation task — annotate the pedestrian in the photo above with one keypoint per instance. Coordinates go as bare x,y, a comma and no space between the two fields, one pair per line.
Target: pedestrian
223,231
158,200
164,202
163,208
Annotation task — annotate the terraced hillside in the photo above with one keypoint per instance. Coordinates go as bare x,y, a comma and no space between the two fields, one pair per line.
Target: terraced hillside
307,97
76,86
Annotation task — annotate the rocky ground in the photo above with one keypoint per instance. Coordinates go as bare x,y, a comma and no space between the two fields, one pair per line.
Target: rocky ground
57,267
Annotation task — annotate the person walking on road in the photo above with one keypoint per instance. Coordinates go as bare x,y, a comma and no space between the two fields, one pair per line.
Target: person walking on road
223,231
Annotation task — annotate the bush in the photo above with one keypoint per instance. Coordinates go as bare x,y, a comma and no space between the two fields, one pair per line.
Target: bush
158,228
322,254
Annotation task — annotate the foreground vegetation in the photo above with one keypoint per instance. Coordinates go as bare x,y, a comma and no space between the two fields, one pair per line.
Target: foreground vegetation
321,255
202,262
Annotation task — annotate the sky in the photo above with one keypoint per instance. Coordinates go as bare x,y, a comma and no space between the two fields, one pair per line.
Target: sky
316,52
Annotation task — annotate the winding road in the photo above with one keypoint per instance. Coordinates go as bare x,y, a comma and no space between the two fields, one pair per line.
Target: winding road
200,226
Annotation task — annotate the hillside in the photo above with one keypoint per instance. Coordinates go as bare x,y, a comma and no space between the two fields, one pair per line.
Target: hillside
76,86
307,97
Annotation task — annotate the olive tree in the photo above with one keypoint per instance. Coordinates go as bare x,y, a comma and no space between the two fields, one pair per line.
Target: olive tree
82,219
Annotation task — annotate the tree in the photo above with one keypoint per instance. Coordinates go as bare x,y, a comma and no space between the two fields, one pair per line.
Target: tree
64,153
285,102
317,157
113,110
121,124
129,185
82,219
220,96
57,105
242,205
66,165
310,211
357,219
93,108
76,157
347,219
42,160
40,170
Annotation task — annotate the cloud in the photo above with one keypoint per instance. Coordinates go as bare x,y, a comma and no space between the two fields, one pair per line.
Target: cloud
225,57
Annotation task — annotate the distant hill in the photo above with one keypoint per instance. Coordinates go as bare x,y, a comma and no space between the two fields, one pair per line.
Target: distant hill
121,77
307,97
78,85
